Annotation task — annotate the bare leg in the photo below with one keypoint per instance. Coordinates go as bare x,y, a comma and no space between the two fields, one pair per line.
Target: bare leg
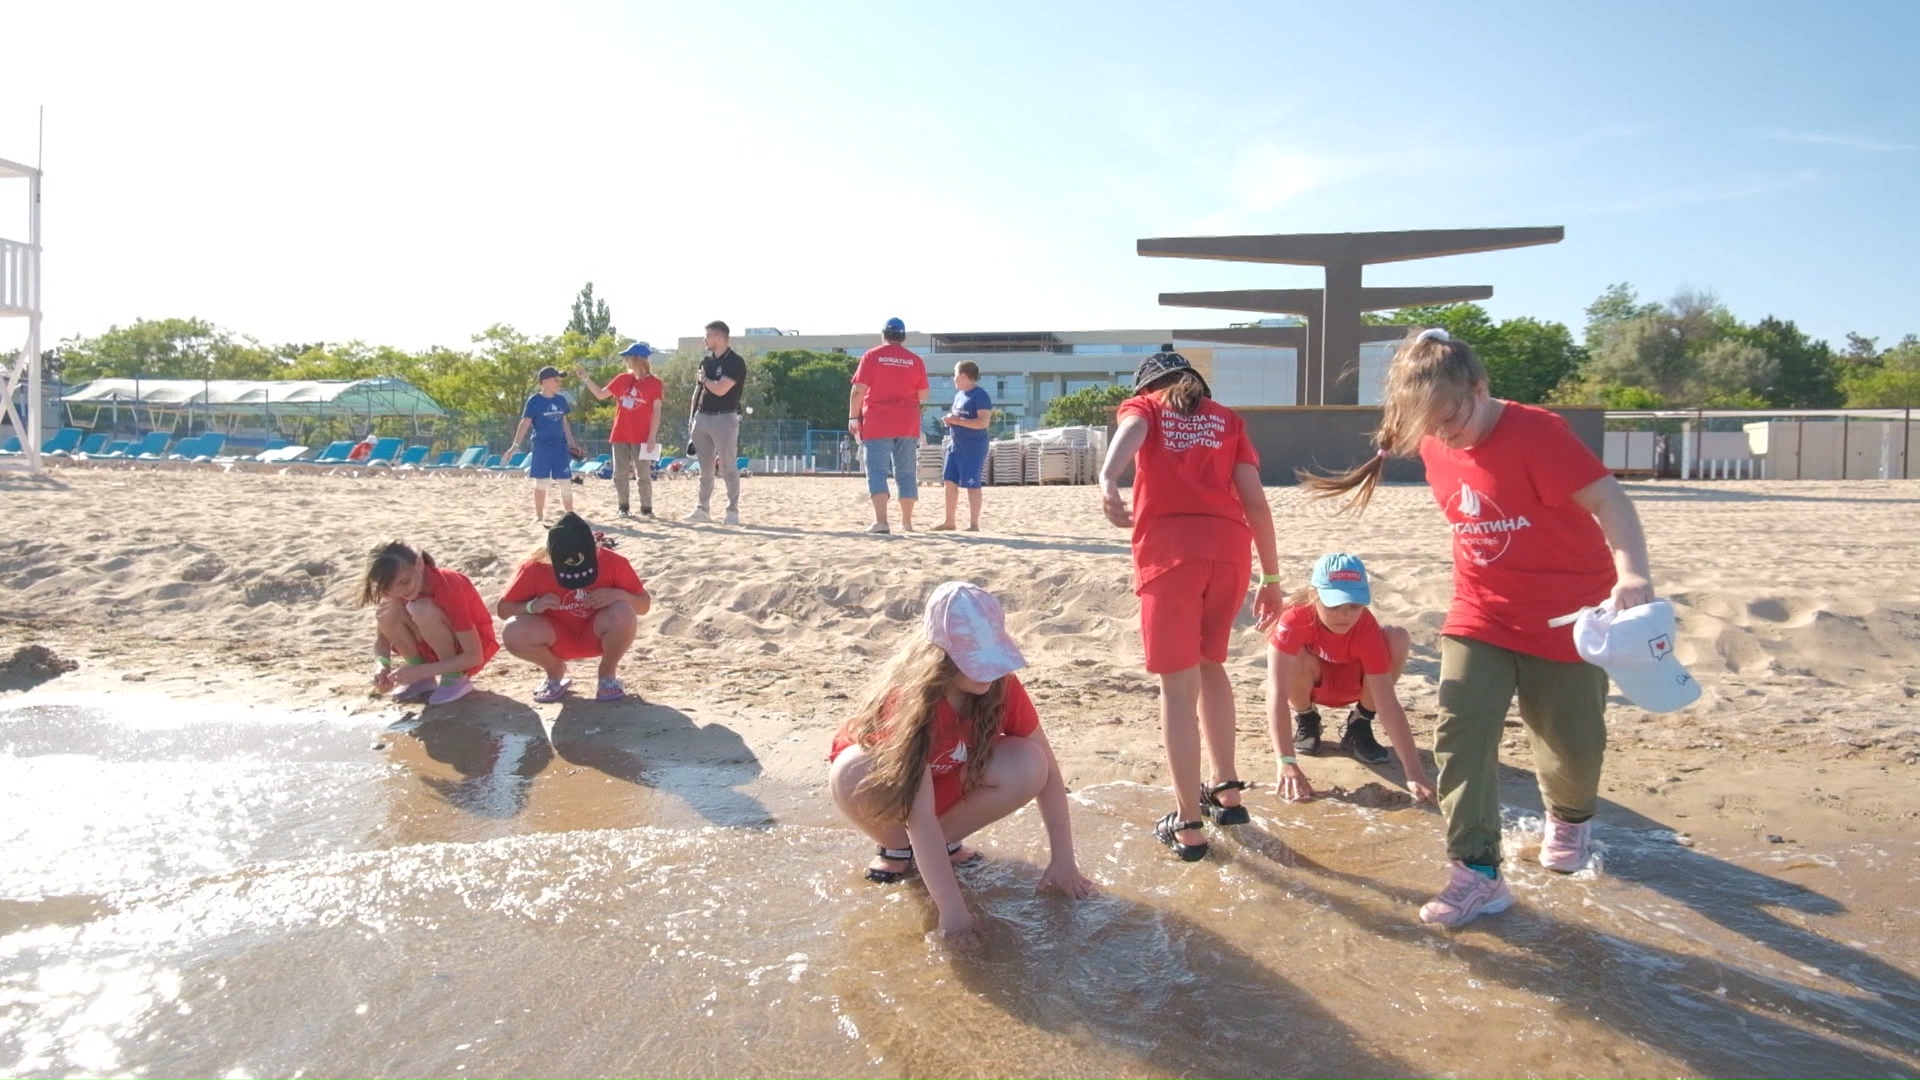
974,497
540,500
530,637
1306,673
906,515
431,624
953,504
1180,734
397,628
880,517
1398,646
1014,777
615,627
1217,724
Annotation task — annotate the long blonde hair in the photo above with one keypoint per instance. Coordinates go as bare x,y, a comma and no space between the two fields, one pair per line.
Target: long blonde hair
894,724
1428,371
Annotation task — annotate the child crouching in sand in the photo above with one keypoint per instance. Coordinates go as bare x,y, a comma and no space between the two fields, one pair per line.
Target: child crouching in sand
424,614
945,743
573,600
1328,649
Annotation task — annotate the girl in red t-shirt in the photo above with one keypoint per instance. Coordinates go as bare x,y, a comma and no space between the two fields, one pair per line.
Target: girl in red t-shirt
1197,507
1541,529
1328,649
946,742
433,619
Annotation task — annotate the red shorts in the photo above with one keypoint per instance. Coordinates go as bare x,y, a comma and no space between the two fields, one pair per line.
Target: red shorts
1338,684
487,650
573,639
1187,613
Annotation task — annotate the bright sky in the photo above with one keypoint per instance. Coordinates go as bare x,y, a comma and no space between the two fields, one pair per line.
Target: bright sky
408,174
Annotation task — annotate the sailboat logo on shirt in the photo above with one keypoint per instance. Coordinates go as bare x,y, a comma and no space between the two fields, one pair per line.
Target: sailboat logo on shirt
1481,530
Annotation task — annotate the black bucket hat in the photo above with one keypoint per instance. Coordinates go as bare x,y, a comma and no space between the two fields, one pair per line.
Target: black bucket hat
575,555
1162,364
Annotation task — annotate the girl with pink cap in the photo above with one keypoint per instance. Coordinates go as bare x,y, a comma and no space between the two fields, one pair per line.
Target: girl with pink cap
944,743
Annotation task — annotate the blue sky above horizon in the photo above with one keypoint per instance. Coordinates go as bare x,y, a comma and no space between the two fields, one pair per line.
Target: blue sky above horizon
408,174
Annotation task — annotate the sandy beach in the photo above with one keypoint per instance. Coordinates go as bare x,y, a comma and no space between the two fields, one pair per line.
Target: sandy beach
1799,608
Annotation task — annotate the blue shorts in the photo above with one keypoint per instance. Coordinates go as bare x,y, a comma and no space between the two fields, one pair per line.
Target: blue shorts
966,465
549,461
897,456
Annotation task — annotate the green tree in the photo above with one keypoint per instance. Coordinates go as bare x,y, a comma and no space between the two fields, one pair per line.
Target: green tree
591,319
803,384
1890,380
1805,375
1618,304
1526,359
1093,406
166,349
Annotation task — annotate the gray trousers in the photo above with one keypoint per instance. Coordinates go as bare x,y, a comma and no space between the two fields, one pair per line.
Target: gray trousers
624,463
715,440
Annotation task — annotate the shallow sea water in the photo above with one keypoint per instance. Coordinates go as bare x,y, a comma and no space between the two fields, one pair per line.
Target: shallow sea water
228,892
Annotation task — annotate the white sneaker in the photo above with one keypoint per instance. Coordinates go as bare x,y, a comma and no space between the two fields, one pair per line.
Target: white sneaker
732,518
1469,894
1564,848
699,515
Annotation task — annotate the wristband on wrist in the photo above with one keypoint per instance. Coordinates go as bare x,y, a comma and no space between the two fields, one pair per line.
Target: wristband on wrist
1269,579
1289,759
384,661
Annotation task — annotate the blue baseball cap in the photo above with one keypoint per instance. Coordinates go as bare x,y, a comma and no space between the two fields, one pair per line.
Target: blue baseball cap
549,372
638,348
895,326
1341,579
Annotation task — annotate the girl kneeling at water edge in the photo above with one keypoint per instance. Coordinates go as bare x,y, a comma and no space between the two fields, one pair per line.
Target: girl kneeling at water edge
945,743
424,614
1328,649
573,600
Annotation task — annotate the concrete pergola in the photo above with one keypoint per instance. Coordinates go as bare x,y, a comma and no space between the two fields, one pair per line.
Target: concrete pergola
20,298
1330,342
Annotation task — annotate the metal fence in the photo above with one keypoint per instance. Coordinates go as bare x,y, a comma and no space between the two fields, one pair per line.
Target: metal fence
1780,444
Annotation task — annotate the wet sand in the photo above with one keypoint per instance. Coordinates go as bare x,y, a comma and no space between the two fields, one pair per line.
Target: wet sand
218,856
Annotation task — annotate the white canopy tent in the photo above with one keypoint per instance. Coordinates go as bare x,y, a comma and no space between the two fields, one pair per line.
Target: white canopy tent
164,403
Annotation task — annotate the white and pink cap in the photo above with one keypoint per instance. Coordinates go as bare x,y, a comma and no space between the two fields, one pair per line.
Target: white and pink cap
967,622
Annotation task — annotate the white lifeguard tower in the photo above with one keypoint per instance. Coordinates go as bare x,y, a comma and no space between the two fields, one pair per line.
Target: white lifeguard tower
20,299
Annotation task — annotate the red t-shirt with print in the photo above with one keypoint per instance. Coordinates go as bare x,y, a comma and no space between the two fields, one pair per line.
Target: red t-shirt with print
894,377
1365,644
1524,552
1184,503
455,595
535,578
634,401
949,751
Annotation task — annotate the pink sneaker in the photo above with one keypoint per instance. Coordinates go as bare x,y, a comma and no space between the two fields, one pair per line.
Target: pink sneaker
451,692
1564,848
1469,894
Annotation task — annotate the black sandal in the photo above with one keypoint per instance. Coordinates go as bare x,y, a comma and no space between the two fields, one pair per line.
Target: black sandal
888,877
1212,810
905,855
1167,830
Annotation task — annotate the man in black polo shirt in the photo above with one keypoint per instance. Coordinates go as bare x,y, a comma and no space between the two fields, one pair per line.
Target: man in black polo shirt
714,434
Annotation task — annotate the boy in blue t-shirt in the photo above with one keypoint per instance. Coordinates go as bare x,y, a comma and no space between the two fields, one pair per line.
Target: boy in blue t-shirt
553,446
967,422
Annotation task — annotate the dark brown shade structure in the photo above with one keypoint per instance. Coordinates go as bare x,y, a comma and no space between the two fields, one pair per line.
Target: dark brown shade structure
1330,342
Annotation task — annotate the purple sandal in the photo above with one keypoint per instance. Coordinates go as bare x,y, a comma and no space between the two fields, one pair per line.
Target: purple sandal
551,690
610,690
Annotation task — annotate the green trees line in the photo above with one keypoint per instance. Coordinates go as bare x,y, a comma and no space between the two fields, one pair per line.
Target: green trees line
1688,351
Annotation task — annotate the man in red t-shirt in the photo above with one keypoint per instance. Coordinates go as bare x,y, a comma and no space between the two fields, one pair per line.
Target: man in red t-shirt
884,411
578,601
637,392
